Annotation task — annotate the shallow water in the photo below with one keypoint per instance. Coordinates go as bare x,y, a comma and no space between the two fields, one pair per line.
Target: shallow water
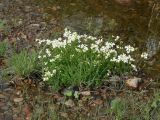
137,22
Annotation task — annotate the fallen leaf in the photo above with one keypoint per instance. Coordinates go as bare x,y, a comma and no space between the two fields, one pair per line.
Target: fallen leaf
27,111
133,82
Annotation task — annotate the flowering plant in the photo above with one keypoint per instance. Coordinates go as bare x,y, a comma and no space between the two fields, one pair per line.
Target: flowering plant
75,59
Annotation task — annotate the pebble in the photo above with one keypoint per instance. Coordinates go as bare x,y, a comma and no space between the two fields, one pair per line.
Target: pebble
2,96
133,82
27,9
34,26
16,100
70,103
1,7
4,108
8,116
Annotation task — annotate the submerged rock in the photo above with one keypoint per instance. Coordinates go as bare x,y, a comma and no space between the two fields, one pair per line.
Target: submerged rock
125,2
152,45
81,23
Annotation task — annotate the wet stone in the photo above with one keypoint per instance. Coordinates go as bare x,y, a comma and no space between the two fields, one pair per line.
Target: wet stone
4,86
4,108
1,116
1,7
8,116
9,90
2,96
27,9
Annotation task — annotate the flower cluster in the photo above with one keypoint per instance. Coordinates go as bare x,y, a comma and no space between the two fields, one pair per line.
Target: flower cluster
73,53
144,55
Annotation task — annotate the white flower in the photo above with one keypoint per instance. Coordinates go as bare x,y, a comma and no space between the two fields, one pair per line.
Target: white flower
123,57
48,52
52,60
99,41
48,74
129,48
45,79
117,38
144,55
44,56
83,47
45,63
39,56
54,71
134,67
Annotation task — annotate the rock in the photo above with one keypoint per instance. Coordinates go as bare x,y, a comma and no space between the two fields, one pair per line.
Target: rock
133,82
1,7
63,114
152,45
85,93
9,90
125,2
4,86
69,103
1,116
4,108
2,96
27,8
34,26
8,116
17,100
73,4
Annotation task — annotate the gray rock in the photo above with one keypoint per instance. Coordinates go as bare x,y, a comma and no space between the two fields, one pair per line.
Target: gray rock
1,7
27,8
152,45
8,116
69,103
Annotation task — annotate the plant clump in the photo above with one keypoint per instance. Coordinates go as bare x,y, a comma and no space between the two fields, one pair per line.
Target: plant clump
3,48
75,59
23,63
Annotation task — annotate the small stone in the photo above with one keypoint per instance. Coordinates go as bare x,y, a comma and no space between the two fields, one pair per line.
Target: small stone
133,82
16,100
4,108
18,92
54,8
69,103
27,9
63,114
34,26
1,7
73,4
2,96
9,90
1,116
8,116
4,86
85,93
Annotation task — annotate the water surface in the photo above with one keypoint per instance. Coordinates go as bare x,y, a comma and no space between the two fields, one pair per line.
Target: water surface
137,22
